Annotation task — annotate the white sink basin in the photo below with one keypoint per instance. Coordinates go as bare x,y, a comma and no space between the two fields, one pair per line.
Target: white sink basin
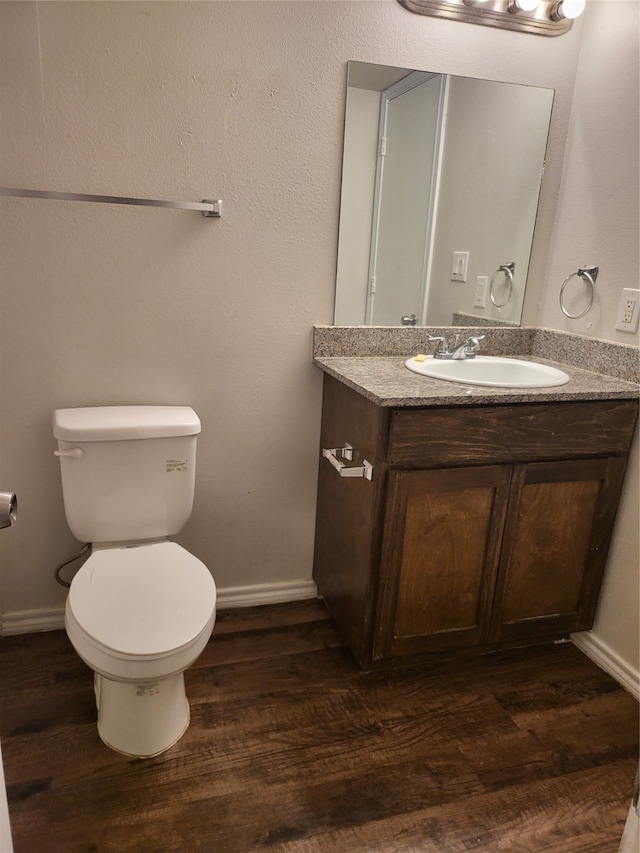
493,371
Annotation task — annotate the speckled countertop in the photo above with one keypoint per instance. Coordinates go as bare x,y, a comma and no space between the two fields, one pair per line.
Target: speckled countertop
387,382
372,363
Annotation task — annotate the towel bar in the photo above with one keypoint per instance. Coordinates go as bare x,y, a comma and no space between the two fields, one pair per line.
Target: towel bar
209,207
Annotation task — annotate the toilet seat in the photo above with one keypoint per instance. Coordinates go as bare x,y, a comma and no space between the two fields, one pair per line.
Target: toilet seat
140,604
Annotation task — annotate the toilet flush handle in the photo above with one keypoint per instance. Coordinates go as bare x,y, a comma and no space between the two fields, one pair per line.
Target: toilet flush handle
74,452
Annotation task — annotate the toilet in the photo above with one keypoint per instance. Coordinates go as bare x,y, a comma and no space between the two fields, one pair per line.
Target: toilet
141,609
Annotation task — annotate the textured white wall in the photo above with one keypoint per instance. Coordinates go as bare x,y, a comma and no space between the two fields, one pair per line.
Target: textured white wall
598,222
179,100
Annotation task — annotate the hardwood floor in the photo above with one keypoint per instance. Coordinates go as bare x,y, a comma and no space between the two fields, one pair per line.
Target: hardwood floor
292,748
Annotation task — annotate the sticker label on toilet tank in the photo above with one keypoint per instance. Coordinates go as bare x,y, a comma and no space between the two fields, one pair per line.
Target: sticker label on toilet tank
176,465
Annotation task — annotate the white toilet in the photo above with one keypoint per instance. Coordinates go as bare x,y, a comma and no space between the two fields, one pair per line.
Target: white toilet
141,609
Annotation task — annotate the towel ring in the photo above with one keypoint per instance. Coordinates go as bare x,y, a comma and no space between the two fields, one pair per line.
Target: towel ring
508,270
589,274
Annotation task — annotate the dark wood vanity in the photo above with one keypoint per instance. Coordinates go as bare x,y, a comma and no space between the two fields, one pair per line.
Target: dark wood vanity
484,526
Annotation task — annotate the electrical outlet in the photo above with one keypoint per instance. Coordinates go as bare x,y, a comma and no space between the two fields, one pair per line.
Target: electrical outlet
480,296
628,310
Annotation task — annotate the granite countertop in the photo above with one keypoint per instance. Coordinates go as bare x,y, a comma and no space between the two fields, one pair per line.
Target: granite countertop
387,382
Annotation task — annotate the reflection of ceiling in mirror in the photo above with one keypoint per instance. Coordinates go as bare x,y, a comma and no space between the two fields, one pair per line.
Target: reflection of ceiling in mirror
376,78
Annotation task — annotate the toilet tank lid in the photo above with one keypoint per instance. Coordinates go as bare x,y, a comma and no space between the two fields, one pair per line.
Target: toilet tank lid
120,423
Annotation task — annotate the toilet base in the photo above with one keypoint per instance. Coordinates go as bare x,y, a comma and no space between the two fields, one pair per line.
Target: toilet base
141,719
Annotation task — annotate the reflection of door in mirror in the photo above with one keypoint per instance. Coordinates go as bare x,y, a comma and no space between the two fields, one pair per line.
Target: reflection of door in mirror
405,190
436,167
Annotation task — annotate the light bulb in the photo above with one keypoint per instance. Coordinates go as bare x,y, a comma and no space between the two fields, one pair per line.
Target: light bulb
523,5
570,8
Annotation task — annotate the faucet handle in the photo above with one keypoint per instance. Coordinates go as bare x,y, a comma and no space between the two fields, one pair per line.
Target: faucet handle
441,338
442,342
472,345
443,346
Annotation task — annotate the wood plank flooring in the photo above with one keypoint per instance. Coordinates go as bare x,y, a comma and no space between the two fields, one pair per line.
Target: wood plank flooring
291,748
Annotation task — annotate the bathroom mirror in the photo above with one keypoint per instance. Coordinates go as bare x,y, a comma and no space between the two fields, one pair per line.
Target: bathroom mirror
440,186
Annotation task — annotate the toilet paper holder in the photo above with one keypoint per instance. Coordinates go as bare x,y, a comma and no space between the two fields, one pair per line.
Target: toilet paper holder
332,455
8,509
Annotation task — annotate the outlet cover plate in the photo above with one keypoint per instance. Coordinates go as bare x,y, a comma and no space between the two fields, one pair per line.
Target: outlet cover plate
628,310
480,296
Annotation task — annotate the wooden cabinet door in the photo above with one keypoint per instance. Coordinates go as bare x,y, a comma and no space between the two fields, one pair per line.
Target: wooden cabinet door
559,524
440,554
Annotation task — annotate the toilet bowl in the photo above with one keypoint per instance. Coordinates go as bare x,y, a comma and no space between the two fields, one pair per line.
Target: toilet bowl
142,608
139,616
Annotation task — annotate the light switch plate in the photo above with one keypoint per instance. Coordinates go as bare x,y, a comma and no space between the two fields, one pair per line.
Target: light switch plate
459,264
628,310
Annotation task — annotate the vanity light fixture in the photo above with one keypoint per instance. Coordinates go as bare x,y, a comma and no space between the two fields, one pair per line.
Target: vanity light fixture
541,17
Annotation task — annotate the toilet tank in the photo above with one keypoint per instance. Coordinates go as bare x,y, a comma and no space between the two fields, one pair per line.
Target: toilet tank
128,472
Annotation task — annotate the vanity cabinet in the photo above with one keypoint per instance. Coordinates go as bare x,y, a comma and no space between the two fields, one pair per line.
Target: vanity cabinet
483,526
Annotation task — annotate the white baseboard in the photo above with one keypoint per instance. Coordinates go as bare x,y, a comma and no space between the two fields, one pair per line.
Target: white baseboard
52,619
265,593
608,660
32,621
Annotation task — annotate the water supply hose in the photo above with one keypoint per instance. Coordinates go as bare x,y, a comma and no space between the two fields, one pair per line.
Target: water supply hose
84,551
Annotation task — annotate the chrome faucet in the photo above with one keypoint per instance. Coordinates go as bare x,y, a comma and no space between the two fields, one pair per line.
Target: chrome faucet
467,349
